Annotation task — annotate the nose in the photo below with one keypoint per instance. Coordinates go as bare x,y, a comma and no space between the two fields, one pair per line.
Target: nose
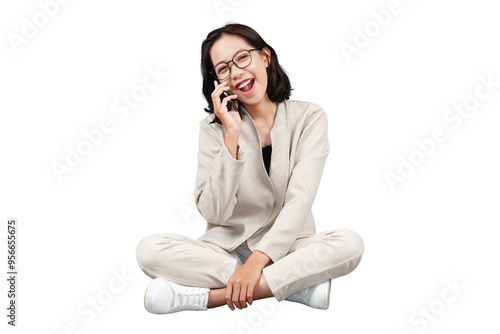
236,72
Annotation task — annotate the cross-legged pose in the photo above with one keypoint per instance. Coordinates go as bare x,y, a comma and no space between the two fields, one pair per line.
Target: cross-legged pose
260,161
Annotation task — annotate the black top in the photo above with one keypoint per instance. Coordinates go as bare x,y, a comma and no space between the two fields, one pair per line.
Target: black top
266,155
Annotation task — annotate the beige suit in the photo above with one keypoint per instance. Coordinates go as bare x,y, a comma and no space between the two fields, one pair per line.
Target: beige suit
248,210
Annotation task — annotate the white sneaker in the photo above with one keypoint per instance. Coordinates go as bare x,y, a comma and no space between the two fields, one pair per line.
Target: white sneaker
163,297
316,296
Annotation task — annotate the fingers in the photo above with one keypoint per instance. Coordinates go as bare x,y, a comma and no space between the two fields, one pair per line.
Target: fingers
250,295
243,298
228,296
221,106
236,296
219,89
227,99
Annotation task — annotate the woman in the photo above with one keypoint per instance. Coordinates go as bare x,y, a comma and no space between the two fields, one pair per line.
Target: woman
260,240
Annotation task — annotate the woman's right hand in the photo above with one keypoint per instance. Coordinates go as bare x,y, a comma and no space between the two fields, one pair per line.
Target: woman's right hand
230,119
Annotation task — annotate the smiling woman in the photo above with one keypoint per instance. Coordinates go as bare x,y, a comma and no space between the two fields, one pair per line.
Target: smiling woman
261,239
252,54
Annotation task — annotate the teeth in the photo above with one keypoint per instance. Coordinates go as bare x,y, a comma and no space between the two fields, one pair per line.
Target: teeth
245,83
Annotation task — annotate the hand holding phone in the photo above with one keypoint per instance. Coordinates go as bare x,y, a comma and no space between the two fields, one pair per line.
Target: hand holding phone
222,104
230,102
228,98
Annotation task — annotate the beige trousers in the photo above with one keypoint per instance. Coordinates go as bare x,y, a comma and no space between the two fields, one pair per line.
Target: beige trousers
310,261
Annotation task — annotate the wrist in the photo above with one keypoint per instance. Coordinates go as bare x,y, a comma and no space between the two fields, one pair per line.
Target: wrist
232,133
258,260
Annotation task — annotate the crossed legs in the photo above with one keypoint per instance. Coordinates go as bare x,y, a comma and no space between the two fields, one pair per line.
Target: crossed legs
191,262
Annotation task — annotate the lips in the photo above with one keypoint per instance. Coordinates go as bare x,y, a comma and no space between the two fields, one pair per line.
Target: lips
245,86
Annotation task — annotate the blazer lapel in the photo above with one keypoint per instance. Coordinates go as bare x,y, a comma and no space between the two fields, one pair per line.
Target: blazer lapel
280,141
280,155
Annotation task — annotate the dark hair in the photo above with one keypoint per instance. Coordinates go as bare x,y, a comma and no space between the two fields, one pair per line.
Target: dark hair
278,84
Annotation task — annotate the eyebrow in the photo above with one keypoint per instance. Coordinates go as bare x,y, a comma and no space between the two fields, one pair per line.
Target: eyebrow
221,62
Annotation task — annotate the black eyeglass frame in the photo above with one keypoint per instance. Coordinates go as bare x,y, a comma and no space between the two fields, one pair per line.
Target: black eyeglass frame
232,61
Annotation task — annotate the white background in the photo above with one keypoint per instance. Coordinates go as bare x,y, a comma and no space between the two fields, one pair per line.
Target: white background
75,234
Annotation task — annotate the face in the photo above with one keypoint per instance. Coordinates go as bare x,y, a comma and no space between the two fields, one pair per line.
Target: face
224,50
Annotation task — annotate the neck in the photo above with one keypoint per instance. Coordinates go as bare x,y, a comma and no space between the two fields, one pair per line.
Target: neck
263,112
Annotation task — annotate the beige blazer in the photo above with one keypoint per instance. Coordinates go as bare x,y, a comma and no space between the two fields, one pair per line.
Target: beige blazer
237,197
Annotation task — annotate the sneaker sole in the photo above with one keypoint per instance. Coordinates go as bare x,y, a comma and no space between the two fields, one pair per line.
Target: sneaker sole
326,302
328,298
148,296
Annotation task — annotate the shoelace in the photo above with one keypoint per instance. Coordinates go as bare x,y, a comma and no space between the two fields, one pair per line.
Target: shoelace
302,295
187,297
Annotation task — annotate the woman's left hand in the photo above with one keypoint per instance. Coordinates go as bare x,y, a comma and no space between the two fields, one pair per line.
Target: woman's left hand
241,284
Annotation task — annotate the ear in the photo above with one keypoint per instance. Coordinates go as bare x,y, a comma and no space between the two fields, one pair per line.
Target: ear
266,56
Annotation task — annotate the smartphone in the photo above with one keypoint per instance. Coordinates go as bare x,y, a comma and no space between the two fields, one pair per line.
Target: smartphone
230,102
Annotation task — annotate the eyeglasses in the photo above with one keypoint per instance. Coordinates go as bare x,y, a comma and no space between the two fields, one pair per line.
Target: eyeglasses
242,59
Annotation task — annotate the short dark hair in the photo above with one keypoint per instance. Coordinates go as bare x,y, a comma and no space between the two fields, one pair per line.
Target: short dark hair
278,84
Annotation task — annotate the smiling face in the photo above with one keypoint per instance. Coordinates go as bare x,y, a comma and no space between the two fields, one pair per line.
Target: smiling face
256,89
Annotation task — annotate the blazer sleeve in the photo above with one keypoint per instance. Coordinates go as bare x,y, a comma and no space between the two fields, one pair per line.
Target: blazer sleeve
311,154
217,176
